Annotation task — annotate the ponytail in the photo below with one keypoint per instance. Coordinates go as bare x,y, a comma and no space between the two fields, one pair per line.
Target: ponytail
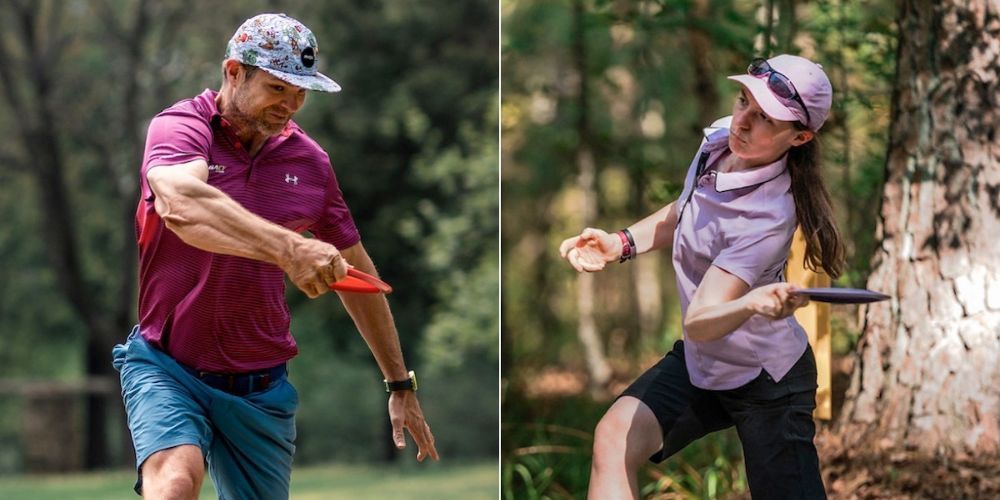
813,209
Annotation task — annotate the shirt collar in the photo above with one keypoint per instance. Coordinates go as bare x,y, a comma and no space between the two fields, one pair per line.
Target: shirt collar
728,181
717,141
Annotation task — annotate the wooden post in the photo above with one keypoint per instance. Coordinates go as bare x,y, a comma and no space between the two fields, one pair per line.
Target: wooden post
815,319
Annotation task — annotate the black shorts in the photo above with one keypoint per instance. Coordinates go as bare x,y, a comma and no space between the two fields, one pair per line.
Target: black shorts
773,419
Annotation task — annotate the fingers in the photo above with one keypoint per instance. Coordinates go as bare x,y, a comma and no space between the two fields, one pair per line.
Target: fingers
405,413
591,234
397,432
574,260
339,266
584,261
566,245
421,433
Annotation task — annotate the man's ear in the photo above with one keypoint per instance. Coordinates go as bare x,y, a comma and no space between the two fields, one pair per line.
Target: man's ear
233,70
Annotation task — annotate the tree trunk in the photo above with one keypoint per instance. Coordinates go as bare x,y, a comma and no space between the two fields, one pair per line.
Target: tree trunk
41,134
765,40
788,26
704,75
926,375
597,365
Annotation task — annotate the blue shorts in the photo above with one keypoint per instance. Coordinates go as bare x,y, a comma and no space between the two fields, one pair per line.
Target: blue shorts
247,441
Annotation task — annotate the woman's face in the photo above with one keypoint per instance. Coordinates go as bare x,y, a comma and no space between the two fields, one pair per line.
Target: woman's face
757,138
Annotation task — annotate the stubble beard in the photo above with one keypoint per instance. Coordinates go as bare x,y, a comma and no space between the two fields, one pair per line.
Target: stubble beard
257,123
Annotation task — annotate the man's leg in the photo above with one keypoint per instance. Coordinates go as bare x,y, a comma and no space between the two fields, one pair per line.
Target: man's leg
251,454
167,418
174,473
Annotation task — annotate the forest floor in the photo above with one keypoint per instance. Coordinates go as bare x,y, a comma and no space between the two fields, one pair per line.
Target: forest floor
856,473
850,474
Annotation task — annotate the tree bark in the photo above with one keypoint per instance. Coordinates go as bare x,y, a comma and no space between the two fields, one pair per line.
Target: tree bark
926,375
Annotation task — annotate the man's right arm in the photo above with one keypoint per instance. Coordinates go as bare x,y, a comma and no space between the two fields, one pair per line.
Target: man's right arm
206,218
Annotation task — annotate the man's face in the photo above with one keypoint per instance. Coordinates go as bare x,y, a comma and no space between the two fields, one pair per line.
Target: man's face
265,102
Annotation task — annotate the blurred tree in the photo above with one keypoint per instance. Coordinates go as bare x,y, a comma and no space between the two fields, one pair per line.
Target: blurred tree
926,369
408,136
34,72
597,366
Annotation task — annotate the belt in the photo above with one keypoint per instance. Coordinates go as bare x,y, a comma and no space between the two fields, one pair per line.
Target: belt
240,384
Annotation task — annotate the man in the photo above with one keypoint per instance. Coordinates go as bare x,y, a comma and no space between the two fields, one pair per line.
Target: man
228,184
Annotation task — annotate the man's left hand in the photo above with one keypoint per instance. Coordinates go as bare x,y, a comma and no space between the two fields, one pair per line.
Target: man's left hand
405,412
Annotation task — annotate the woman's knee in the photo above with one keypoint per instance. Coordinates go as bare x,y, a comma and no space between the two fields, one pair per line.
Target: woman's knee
628,431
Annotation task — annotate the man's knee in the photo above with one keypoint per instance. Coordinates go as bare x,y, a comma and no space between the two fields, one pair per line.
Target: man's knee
174,473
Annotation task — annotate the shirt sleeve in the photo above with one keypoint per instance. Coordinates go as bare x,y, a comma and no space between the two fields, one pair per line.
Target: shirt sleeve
174,137
336,226
756,252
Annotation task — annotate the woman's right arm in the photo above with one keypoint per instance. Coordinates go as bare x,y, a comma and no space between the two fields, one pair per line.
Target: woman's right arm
655,231
593,248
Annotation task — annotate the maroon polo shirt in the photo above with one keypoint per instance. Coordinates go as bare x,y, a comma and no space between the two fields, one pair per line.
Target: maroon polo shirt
218,312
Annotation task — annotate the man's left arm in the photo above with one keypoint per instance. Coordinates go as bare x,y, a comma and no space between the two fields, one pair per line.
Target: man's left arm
373,318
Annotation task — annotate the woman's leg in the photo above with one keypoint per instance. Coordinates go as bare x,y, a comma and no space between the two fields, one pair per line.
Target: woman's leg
656,416
775,424
625,438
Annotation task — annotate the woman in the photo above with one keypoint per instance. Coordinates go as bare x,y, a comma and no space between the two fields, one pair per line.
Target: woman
744,360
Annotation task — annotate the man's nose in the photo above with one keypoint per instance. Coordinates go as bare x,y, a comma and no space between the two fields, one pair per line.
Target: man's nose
290,103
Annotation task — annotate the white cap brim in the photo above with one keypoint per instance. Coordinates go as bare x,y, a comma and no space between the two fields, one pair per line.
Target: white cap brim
766,99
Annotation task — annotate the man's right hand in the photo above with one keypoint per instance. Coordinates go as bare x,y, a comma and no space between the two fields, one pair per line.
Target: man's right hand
591,250
313,265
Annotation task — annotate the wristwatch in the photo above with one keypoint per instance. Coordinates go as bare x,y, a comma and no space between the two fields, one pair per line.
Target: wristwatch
409,384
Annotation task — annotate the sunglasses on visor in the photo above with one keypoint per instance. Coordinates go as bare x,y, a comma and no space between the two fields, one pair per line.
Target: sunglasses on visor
778,83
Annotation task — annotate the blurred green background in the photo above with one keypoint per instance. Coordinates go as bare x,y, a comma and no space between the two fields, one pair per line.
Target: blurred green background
413,138
603,105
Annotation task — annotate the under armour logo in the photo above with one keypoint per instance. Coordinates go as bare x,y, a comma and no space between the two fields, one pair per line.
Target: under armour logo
292,179
221,169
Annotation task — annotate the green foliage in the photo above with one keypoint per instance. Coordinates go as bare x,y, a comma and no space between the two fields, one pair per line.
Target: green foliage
413,141
645,89
547,454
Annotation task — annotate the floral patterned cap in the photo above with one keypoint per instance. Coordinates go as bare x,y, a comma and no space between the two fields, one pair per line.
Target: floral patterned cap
283,47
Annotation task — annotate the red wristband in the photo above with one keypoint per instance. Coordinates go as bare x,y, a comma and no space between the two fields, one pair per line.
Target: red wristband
626,247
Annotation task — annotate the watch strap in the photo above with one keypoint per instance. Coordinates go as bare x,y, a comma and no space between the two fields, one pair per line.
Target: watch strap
409,384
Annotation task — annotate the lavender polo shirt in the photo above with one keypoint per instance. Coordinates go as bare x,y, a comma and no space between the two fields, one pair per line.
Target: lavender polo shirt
741,222
217,312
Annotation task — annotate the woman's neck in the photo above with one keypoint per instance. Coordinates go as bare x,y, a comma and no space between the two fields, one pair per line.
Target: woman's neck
733,163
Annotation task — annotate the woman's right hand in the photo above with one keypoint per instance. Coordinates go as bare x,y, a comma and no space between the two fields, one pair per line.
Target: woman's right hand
775,301
591,250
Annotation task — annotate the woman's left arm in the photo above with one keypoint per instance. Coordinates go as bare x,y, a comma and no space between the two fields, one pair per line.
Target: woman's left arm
723,302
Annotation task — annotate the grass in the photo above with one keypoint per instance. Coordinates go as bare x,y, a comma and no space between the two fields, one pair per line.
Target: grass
439,482
547,454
